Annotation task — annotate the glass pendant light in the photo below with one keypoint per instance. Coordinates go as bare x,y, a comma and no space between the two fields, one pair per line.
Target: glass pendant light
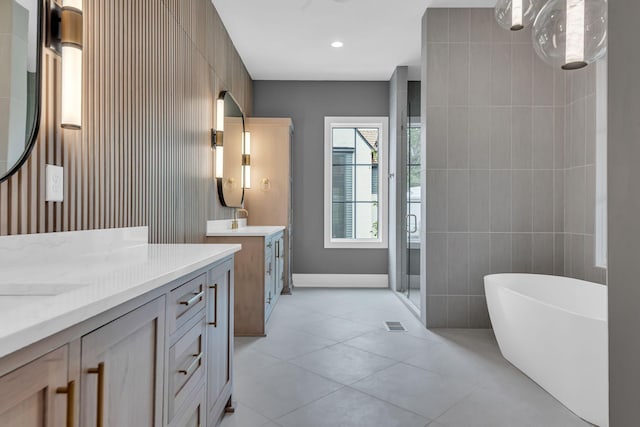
571,34
514,15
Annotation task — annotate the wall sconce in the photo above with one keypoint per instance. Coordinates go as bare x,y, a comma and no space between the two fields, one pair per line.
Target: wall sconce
65,37
246,161
217,138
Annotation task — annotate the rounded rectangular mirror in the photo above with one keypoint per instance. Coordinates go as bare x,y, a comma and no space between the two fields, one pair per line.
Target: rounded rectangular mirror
230,190
20,53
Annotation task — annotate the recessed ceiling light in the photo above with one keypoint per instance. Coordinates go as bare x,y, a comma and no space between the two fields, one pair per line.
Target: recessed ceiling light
337,44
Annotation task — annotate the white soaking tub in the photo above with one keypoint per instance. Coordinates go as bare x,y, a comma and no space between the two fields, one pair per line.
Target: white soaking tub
554,329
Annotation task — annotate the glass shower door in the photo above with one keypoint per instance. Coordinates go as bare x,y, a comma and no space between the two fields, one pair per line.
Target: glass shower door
413,207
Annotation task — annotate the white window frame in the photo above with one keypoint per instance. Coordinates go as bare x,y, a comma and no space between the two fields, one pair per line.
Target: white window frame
601,164
382,123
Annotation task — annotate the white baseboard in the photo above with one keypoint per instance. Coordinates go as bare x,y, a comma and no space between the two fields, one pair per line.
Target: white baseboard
341,280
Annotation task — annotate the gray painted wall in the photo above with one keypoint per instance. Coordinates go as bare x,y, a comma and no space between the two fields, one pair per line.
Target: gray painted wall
493,205
624,212
307,103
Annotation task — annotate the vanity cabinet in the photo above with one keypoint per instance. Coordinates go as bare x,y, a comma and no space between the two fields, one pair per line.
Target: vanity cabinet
259,276
36,394
163,359
122,370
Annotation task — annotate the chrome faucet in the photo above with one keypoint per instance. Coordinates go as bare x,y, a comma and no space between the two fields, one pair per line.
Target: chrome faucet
234,223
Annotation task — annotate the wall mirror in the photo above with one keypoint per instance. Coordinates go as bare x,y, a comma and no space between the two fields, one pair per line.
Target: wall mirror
20,75
230,189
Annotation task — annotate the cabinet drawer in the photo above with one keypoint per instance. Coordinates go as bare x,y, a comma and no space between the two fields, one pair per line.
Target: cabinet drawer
193,413
185,302
186,365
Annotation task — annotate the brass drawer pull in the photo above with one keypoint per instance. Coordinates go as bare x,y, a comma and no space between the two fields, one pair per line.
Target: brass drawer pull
196,297
100,412
215,306
70,391
193,365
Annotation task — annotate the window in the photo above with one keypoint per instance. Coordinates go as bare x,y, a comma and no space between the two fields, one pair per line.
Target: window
355,182
601,163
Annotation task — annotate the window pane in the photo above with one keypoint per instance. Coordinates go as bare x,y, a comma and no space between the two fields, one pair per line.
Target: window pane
414,145
343,137
363,188
366,146
342,183
366,219
342,226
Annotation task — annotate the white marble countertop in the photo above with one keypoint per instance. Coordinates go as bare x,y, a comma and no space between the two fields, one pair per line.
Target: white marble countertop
214,229
42,296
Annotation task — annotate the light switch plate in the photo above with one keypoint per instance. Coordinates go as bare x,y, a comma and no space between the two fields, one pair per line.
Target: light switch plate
55,183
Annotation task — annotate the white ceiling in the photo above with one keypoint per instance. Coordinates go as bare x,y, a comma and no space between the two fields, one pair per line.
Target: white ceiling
290,39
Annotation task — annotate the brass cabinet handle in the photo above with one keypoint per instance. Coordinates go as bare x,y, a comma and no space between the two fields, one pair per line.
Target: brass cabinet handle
70,391
100,412
215,306
195,298
193,365
278,249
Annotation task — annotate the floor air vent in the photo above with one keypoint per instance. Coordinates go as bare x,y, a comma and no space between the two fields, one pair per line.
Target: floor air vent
395,326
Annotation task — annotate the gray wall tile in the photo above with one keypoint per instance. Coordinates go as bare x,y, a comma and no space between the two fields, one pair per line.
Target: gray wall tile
437,73
436,263
457,312
558,254
501,138
459,25
479,200
521,74
501,253
590,130
501,74
458,200
543,201
559,83
578,132
436,200
479,261
559,136
577,256
590,200
481,22
521,135
437,311
480,137
438,25
543,86
543,149
458,264
559,201
521,248
458,74
521,201
437,137
501,201
478,313
480,76
458,139
543,256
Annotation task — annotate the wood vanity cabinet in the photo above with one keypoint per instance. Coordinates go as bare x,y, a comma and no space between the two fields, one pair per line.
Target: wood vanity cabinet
259,277
36,394
162,359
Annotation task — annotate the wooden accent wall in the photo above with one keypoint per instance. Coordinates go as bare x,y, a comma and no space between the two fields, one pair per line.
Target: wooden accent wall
152,72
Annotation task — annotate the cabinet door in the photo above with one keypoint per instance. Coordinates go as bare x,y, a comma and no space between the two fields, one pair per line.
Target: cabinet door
269,275
36,394
122,370
219,320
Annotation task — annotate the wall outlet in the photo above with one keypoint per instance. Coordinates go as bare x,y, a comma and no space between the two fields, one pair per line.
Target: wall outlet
55,183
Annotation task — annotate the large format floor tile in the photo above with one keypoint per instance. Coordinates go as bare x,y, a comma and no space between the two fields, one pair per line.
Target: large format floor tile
328,361
350,408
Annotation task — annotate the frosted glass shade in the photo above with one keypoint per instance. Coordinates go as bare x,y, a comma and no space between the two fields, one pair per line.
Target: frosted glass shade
219,162
571,34
514,15
71,108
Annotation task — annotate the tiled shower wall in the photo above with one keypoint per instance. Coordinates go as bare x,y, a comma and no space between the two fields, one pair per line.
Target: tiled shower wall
495,162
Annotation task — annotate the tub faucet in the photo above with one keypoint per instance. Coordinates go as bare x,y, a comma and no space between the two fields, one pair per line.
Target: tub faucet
234,223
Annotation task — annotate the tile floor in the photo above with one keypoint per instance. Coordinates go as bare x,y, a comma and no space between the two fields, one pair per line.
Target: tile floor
327,361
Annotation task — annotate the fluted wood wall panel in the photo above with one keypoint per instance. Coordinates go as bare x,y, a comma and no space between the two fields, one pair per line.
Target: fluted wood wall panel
152,71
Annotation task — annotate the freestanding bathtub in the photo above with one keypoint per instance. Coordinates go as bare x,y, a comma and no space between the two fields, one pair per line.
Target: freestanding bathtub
554,329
